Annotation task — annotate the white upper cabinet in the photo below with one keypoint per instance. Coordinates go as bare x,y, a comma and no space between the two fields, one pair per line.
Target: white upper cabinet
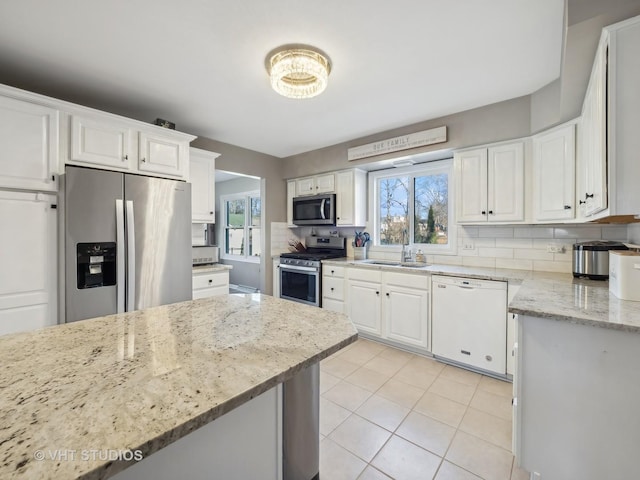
490,184
592,183
554,174
608,140
202,172
471,176
101,142
317,184
29,140
351,198
163,155
291,193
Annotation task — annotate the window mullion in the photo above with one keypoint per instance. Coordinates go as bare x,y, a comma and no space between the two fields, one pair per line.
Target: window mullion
411,199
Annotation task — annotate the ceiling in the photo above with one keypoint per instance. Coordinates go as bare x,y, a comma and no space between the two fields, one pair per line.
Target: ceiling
200,63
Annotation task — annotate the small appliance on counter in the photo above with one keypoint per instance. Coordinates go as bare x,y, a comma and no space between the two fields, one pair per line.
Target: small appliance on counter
591,259
624,275
205,254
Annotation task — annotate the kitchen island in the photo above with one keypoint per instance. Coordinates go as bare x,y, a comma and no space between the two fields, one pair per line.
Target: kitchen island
88,399
577,380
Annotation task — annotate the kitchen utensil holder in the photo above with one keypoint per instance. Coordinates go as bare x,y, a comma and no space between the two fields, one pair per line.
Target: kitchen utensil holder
360,253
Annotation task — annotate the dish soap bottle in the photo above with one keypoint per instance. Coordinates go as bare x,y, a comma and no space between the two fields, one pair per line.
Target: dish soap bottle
420,256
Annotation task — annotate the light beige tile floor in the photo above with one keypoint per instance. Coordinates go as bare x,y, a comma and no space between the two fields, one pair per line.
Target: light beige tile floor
386,413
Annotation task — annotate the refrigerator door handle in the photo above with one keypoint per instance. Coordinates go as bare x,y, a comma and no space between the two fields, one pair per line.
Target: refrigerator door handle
119,257
131,258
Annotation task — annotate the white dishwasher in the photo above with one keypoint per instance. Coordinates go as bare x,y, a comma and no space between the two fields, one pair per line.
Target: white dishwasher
469,322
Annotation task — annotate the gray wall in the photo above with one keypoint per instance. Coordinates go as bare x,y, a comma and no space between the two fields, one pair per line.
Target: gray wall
270,169
491,123
243,273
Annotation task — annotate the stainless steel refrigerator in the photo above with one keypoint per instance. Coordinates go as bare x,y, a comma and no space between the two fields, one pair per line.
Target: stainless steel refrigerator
127,242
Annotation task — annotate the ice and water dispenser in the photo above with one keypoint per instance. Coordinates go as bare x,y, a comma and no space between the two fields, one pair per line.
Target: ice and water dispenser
96,265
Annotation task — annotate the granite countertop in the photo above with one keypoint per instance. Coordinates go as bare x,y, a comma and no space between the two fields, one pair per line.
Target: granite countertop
215,267
541,294
144,379
500,274
586,302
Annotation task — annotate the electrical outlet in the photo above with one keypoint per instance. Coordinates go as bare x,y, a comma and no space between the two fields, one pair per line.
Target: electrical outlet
555,248
468,246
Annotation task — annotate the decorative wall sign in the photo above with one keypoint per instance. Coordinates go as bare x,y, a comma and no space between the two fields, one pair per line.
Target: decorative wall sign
403,142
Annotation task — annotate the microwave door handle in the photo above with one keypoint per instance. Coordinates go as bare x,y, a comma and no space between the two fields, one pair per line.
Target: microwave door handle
324,200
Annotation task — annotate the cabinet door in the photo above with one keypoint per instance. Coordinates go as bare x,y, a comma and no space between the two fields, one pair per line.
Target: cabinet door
345,198
325,183
305,186
202,175
406,315
101,143
276,277
29,139
291,192
471,180
596,194
554,174
28,283
506,183
364,306
162,155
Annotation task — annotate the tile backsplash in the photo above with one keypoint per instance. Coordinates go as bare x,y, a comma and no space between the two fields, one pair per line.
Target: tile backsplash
522,247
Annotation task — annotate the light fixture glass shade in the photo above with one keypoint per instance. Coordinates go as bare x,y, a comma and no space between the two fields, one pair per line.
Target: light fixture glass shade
298,72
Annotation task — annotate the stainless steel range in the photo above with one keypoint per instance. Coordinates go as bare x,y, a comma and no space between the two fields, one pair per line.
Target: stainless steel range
301,272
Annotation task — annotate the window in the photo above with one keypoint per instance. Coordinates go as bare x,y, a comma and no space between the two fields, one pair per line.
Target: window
242,217
411,205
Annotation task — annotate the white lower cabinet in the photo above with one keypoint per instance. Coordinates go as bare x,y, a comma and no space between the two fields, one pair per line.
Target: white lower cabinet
333,288
276,277
390,305
363,299
210,284
405,313
28,283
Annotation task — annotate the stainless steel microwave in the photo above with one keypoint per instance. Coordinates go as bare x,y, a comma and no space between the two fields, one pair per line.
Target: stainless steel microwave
315,210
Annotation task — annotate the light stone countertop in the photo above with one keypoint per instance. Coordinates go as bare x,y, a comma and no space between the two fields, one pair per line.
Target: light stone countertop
541,294
144,379
216,267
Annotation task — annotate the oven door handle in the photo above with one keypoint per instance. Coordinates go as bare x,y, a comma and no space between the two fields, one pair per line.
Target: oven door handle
295,268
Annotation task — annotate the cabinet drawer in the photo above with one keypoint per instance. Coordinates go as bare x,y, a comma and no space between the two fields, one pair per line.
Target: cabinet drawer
333,271
366,274
333,305
208,280
408,280
210,292
333,288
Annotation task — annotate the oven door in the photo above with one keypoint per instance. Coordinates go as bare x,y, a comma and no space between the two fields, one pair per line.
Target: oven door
300,284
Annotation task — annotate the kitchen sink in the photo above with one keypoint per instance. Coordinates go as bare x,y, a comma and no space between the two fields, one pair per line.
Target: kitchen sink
391,263
413,264
388,263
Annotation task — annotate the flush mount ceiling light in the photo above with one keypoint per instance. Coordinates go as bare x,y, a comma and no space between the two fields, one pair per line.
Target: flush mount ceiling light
298,71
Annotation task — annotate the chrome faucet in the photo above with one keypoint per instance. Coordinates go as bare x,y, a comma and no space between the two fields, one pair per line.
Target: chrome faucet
405,254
